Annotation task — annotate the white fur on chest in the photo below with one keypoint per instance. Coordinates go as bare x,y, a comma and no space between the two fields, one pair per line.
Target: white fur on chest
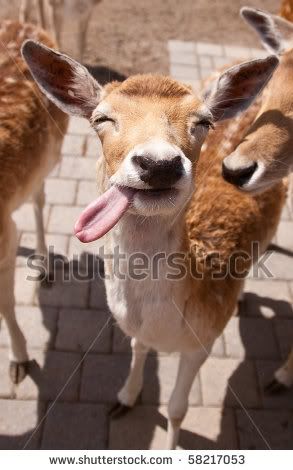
148,309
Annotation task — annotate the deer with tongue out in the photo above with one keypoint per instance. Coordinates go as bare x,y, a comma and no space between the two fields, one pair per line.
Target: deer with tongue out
159,200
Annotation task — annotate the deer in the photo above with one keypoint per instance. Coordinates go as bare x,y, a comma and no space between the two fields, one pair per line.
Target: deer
31,135
52,14
159,198
264,156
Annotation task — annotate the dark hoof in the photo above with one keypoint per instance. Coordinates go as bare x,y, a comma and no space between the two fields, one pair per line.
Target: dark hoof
18,371
118,410
275,387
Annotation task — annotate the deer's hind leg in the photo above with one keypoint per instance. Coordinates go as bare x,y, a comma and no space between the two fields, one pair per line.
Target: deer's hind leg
17,348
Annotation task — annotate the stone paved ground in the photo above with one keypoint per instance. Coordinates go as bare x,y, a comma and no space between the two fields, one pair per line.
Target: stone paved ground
63,403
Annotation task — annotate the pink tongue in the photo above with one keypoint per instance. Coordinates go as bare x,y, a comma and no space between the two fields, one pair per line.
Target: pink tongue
103,213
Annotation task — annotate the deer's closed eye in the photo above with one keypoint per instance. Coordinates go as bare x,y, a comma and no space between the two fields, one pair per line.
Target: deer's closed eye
205,123
101,119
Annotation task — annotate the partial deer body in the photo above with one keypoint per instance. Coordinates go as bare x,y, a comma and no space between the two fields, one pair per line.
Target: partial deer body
53,15
160,199
31,134
265,154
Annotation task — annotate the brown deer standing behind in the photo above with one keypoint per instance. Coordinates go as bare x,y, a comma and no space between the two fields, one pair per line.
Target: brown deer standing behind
31,134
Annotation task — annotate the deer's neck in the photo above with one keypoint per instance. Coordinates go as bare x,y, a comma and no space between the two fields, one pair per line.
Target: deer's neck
150,235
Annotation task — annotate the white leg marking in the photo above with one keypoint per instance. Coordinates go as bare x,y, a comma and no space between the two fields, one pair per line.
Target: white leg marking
189,366
133,384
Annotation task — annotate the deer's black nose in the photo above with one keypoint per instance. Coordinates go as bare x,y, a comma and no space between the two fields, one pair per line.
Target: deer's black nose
159,173
238,176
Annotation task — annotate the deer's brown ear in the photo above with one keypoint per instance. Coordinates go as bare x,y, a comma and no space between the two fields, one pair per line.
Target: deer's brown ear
65,82
236,88
276,34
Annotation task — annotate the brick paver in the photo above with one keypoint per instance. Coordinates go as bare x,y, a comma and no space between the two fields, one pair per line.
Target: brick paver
61,323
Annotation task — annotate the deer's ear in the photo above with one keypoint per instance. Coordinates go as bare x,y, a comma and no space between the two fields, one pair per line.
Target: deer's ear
65,82
276,34
236,88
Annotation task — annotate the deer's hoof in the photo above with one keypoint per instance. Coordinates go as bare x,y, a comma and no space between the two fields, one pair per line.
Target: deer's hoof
118,410
18,371
275,387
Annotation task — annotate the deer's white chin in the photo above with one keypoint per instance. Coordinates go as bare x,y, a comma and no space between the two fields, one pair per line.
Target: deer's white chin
159,202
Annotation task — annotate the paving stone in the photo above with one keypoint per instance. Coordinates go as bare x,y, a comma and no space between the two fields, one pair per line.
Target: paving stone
286,215
237,52
160,378
205,73
183,57
75,426
98,295
24,288
273,429
78,126
60,191
57,244
251,338
202,428
205,48
38,325
284,332
79,330
73,145
265,371
67,293
229,381
78,168
291,289
121,343
205,61
84,252
143,428
24,217
93,147
208,428
267,298
279,265
285,234
258,53
181,71
55,172
62,219
103,376
221,62
182,46
6,386
18,424
52,376
87,192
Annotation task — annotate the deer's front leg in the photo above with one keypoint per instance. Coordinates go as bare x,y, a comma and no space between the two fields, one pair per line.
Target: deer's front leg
189,366
132,387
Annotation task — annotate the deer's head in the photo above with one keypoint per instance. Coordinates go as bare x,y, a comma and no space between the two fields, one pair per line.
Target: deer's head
151,128
265,154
